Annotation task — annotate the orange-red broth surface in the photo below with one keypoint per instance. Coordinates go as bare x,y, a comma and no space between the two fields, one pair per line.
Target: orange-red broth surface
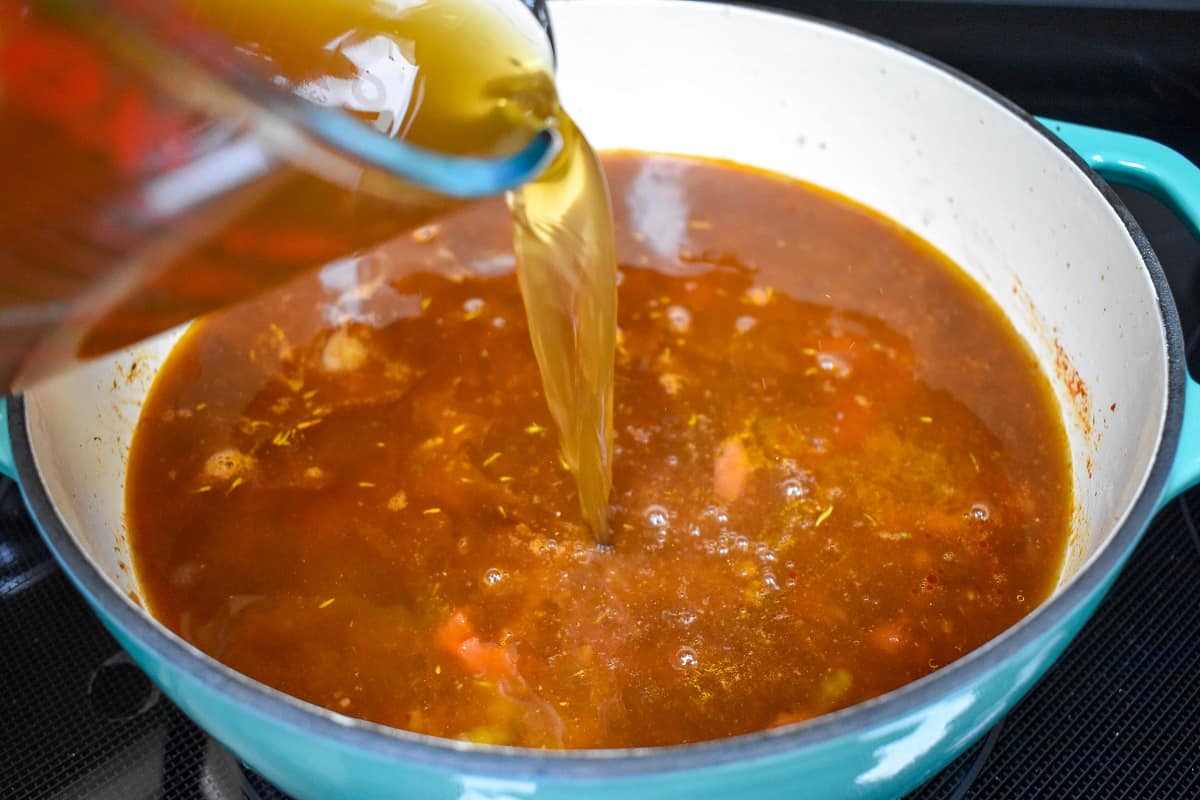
837,469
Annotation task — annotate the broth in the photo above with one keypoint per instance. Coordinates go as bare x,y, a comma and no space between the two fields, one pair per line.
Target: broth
837,468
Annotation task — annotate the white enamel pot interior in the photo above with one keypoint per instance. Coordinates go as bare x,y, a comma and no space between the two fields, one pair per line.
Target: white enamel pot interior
892,130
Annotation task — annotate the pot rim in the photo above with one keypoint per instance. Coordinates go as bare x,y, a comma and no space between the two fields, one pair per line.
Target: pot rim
518,763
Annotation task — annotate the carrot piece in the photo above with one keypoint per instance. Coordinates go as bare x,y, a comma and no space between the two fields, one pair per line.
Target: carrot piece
731,470
482,659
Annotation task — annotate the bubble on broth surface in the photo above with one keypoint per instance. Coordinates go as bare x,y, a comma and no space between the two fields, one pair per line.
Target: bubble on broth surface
744,324
793,489
834,364
657,516
679,318
685,658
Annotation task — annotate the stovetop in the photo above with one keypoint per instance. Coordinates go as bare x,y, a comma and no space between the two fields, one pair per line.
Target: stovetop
1117,717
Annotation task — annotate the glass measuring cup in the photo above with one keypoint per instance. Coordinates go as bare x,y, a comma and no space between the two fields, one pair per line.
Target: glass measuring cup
154,171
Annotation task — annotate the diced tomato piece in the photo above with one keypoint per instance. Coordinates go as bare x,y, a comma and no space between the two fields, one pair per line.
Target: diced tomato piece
890,637
731,470
487,659
453,632
853,422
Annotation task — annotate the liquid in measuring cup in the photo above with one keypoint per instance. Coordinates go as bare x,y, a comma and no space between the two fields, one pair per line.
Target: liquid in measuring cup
144,188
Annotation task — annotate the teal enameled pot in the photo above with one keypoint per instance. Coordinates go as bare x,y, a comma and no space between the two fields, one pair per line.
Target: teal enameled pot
1015,201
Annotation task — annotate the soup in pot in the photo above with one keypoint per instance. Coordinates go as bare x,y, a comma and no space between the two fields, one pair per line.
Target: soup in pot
836,469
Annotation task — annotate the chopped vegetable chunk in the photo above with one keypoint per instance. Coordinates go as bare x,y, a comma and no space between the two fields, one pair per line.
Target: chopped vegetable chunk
731,470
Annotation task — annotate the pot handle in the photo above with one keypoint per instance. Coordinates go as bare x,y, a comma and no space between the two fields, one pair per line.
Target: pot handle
1160,171
8,467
